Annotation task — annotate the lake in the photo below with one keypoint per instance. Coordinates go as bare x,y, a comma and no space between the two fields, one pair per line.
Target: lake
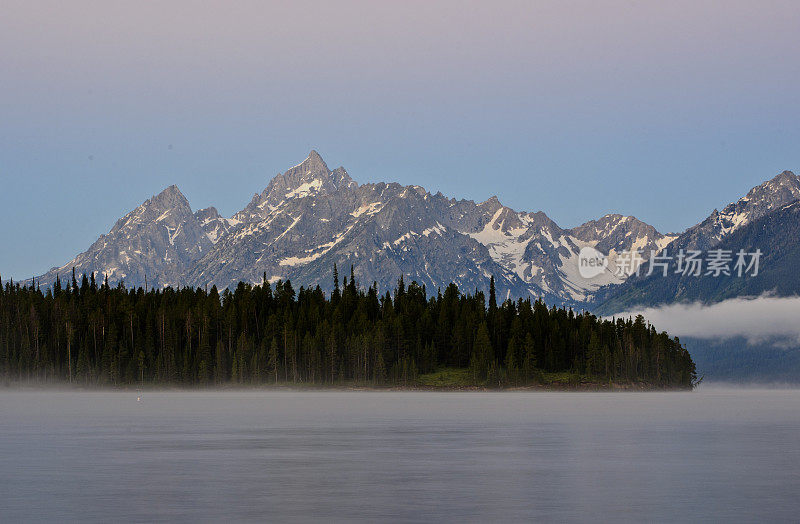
714,454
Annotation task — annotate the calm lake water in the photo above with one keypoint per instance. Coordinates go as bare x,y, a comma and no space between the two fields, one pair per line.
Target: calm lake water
714,454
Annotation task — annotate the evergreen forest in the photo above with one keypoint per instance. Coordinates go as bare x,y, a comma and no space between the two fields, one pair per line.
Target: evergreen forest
89,333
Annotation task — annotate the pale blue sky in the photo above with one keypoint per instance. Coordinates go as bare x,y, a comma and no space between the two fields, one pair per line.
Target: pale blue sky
662,110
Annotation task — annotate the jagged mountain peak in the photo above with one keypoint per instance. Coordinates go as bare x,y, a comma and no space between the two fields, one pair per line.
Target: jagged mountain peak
213,224
169,197
158,239
608,223
310,177
170,206
774,235
785,175
759,201
762,199
786,183
491,201
315,168
614,234
313,164
208,213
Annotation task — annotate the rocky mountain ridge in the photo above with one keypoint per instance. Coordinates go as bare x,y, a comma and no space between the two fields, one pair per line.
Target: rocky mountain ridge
311,217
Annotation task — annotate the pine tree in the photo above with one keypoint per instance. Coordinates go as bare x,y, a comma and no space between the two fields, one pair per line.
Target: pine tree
529,360
272,360
511,365
594,356
379,374
336,292
482,356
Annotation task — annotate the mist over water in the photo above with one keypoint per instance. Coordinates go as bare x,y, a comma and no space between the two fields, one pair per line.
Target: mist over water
717,453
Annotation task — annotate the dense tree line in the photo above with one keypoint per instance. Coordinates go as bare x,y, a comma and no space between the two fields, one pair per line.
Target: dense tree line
91,333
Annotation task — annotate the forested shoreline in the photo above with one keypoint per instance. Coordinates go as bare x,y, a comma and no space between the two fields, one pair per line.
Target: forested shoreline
89,333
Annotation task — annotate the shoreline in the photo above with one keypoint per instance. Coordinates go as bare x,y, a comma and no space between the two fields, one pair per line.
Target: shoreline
544,388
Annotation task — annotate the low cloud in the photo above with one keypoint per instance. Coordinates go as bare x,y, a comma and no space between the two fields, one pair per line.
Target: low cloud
757,319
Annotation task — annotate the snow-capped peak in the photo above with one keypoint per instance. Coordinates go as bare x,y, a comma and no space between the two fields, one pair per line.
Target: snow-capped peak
309,177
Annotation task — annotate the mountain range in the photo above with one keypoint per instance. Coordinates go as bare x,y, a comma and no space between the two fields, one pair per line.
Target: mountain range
311,217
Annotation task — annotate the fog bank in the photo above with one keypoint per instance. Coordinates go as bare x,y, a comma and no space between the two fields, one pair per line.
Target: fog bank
757,319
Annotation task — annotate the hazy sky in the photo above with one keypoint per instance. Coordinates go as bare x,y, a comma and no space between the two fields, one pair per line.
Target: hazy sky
662,110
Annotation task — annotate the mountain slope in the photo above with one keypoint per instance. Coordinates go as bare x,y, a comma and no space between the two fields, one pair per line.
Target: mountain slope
160,239
776,234
759,201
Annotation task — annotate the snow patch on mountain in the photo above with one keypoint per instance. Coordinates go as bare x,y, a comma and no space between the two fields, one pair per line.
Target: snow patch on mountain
305,189
368,209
